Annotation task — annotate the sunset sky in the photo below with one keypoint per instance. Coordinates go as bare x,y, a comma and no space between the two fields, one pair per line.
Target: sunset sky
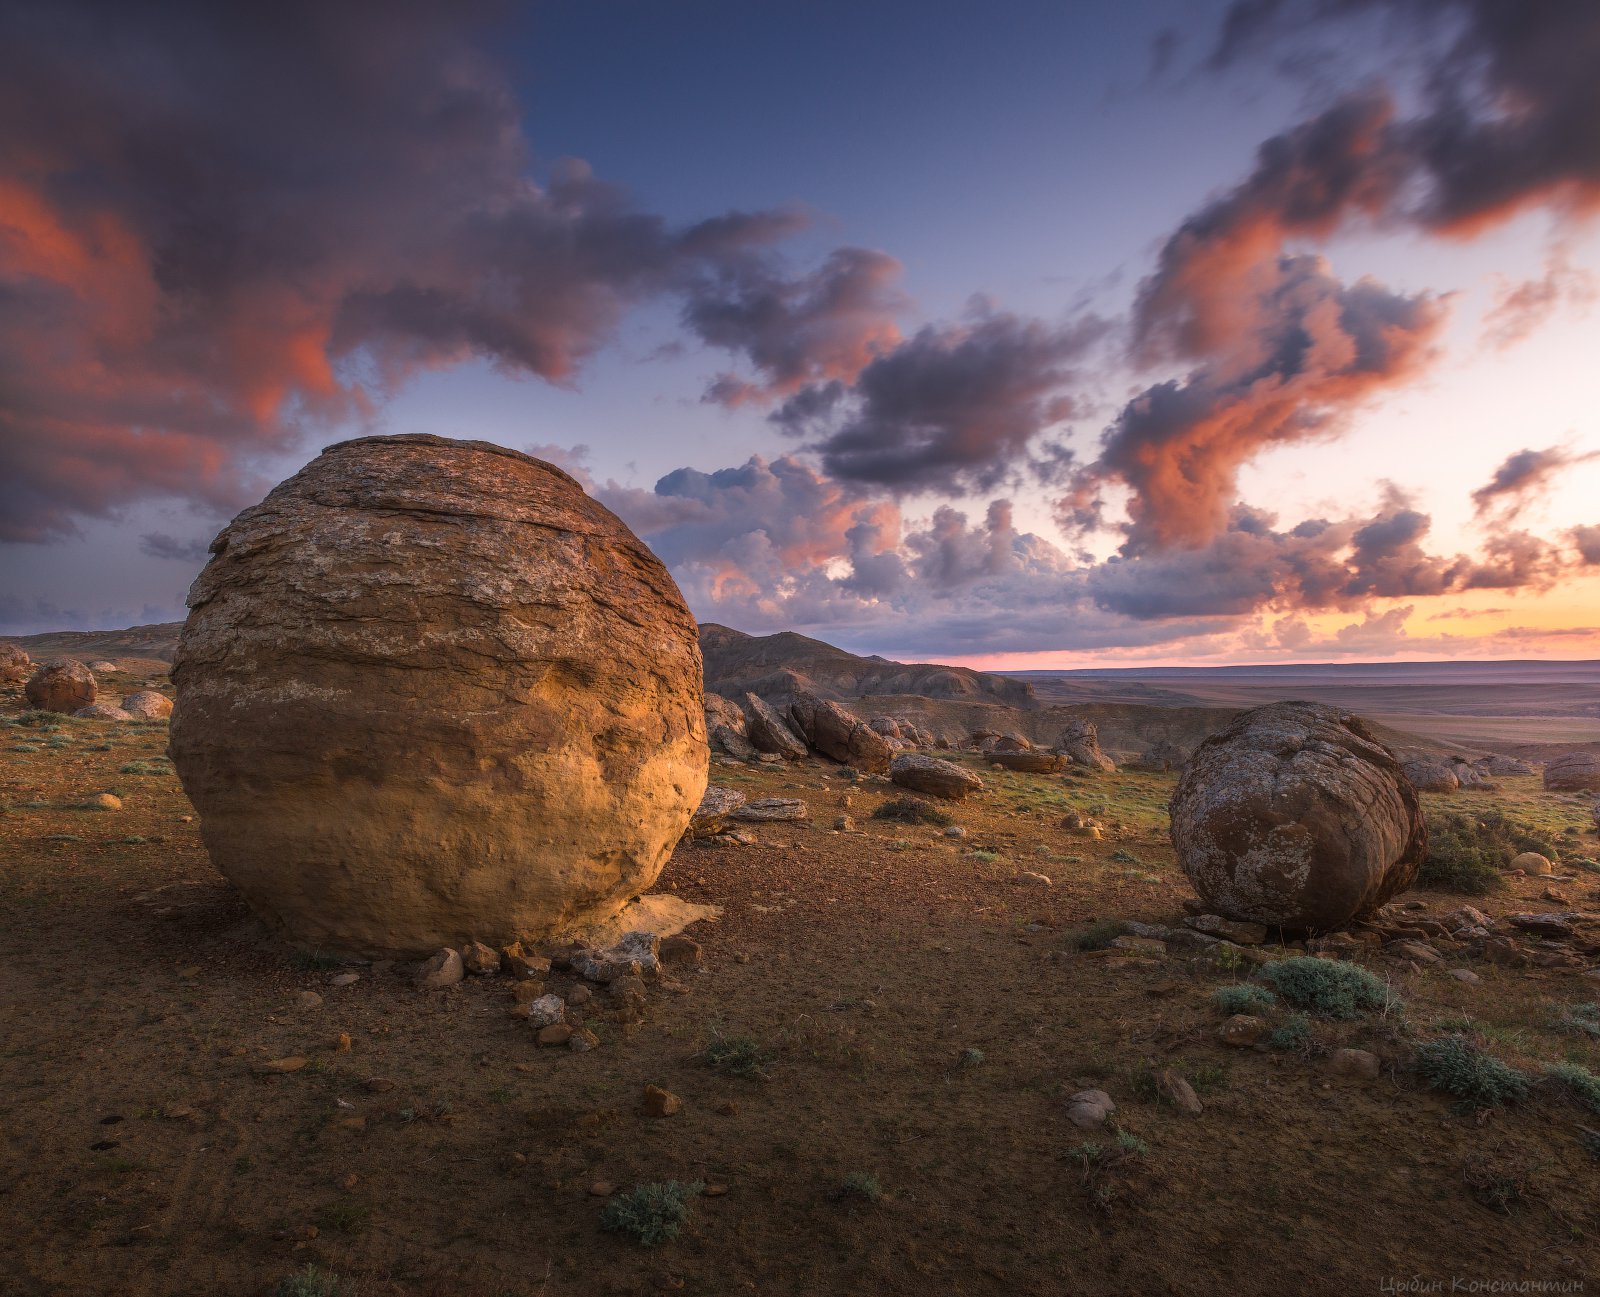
1022,334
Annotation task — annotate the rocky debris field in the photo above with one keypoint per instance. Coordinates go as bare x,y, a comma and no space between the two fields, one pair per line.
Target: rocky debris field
992,1045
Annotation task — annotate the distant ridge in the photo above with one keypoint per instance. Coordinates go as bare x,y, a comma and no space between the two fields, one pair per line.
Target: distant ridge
158,641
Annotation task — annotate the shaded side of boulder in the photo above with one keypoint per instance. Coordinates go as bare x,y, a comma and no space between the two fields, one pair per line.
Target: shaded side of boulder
835,733
768,731
933,777
1080,742
61,685
725,712
1574,772
1296,816
731,742
15,664
429,691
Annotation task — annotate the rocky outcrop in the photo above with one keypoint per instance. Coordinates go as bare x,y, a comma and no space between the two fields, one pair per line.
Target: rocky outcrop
1037,762
768,731
429,691
15,665
1080,743
835,733
61,685
1295,816
771,810
933,777
148,705
1574,772
1496,765
711,815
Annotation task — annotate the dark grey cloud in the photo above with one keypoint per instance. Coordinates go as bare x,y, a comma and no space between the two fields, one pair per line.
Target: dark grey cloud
955,408
1525,474
157,544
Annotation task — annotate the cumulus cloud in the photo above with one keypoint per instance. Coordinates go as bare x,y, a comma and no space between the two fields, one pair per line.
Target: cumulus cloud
219,223
952,408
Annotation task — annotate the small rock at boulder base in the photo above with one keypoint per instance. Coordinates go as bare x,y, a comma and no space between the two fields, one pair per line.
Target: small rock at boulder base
1466,976
660,1103
344,979
1031,879
102,712
308,1000
681,950
429,690
102,802
1234,930
480,959
772,810
1241,1031
1531,862
61,685
1296,816
1354,1064
711,815
442,969
1178,1092
148,705
1417,950
1574,772
583,1040
546,1011
291,1064
15,664
557,1033
933,777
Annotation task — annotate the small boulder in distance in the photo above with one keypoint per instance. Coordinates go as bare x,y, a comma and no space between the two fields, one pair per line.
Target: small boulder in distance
1296,816
1574,772
103,712
147,705
61,685
1430,776
933,777
1081,742
15,664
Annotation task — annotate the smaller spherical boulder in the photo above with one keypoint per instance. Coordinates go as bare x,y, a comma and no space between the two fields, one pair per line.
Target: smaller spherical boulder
103,712
61,685
1296,816
1574,772
148,705
15,665
1430,776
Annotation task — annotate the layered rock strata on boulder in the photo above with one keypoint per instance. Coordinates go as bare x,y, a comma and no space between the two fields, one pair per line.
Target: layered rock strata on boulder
428,692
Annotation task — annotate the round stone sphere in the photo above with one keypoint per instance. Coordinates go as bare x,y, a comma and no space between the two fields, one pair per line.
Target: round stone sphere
61,685
1296,816
428,692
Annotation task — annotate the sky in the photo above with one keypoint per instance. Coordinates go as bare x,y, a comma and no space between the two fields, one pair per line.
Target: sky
1023,335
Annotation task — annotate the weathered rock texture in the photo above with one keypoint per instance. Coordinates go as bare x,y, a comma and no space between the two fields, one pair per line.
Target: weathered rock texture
1295,816
835,733
428,692
935,778
1037,762
148,705
768,731
1431,776
1574,772
15,665
1081,743
61,685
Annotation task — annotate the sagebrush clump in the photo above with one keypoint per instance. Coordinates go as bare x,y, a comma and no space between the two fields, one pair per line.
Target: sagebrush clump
912,810
651,1214
1327,987
1460,1067
1467,852
1242,998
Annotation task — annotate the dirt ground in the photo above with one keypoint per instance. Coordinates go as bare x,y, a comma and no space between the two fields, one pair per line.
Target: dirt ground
921,1012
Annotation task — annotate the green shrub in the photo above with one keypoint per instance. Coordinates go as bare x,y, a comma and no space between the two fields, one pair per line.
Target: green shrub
1467,852
861,1185
1326,987
1581,1083
1242,998
912,810
1576,1019
650,1213
739,1056
1100,934
1294,1036
1459,1067
310,1282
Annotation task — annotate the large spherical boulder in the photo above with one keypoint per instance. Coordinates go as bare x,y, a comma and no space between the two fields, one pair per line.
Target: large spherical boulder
429,691
15,664
61,685
1296,816
1574,772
